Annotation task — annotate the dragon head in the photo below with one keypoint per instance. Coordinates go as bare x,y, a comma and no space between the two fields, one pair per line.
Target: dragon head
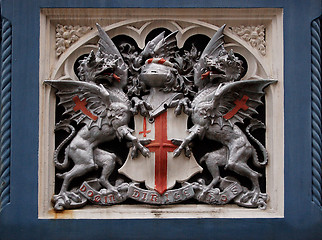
225,67
99,67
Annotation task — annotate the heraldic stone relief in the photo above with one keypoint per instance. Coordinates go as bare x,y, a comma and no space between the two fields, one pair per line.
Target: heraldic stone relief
160,126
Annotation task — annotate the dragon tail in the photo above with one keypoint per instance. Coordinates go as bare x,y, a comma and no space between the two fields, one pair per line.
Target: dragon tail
255,124
63,125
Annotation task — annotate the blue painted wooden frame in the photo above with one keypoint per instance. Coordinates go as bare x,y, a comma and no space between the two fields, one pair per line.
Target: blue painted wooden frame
303,216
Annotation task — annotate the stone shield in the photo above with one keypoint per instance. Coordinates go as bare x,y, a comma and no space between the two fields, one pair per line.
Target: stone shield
161,170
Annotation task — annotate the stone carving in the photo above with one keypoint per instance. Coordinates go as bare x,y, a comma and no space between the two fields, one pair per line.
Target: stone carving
106,113
66,35
254,35
157,90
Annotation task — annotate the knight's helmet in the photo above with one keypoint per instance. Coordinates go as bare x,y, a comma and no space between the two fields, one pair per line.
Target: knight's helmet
158,70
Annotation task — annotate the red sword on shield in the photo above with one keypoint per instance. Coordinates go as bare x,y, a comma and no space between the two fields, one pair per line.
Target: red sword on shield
161,146
145,131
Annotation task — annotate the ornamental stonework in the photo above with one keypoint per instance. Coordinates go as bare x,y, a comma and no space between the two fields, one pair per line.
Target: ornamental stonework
66,35
134,126
254,35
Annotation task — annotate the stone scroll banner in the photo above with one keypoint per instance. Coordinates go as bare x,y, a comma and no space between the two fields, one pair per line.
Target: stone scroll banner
90,191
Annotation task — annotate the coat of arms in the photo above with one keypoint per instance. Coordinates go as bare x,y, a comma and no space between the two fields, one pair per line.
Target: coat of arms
160,103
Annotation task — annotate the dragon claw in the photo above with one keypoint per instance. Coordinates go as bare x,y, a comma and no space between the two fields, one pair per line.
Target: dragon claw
140,106
176,152
182,146
177,111
65,200
253,198
111,190
182,105
187,152
140,145
134,152
145,152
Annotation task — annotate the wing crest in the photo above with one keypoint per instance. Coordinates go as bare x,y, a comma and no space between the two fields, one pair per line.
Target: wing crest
84,102
214,44
232,103
107,49
148,51
105,43
166,46
212,50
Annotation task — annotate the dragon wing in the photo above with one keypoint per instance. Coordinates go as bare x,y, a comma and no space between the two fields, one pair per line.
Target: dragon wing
235,101
211,50
85,102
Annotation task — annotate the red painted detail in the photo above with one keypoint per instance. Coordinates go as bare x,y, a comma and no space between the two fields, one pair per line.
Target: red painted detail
81,105
136,193
97,198
161,146
203,76
145,131
167,197
112,198
117,78
240,104
154,197
176,196
144,196
83,188
161,61
150,60
224,198
185,192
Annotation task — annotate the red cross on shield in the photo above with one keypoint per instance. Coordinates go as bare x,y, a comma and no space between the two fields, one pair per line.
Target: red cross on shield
161,171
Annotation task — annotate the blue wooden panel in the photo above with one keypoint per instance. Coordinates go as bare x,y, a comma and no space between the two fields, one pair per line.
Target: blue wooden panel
303,217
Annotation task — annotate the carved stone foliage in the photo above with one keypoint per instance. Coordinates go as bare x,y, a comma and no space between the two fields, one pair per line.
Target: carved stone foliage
66,35
183,118
254,35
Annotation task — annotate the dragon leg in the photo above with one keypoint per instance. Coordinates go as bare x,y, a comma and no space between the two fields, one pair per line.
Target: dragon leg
107,161
76,171
244,170
213,160
237,162
83,158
